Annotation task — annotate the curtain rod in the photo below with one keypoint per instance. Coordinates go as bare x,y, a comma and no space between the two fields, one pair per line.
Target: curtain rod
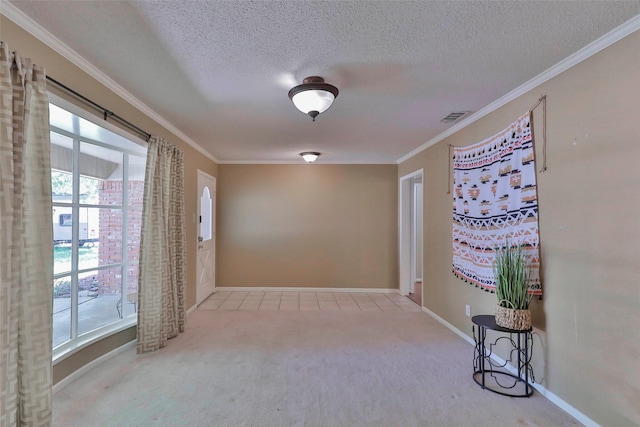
106,113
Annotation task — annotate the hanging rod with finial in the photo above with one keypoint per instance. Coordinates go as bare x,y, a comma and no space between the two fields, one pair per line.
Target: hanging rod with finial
106,113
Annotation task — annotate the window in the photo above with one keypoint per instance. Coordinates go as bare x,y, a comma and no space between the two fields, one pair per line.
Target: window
97,182
205,214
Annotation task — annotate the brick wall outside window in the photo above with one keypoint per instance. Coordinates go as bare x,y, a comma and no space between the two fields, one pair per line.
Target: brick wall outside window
110,239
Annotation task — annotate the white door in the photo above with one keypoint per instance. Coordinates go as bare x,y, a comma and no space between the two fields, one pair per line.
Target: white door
206,221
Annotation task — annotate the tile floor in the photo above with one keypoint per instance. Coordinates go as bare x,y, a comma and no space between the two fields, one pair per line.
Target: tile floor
307,301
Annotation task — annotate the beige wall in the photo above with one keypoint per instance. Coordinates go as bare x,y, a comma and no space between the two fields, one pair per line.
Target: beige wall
65,72
588,347
307,226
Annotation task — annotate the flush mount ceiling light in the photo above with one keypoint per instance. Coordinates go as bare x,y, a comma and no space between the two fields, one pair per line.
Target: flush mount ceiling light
313,96
310,156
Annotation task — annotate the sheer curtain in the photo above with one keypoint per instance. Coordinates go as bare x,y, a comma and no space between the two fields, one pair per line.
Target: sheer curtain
26,235
161,313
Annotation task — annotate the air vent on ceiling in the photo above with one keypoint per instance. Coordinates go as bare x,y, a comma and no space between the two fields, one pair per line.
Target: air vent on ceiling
454,117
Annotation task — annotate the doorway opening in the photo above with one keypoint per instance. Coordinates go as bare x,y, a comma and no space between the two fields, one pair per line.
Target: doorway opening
410,236
206,222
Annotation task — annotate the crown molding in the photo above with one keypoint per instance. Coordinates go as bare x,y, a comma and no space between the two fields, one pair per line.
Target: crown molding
589,50
298,162
21,19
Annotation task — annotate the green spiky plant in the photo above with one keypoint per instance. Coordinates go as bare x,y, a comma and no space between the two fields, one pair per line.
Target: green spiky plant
511,270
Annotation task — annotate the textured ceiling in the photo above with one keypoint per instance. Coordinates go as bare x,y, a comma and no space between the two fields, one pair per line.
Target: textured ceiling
219,71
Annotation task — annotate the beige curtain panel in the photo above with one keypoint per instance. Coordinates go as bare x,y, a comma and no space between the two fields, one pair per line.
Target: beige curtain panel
26,235
161,313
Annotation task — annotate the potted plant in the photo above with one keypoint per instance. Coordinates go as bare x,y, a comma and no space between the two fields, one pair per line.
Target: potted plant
511,270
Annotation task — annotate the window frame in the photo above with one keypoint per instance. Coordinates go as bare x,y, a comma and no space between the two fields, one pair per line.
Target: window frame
76,342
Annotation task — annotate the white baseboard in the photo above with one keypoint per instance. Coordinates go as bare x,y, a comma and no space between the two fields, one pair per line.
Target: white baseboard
286,289
193,308
91,365
569,409
588,422
450,326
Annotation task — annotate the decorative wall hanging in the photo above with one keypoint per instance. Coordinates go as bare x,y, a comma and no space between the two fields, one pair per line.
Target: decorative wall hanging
495,200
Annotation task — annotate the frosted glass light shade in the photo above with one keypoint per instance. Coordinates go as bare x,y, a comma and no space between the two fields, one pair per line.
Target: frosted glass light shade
310,156
313,96
313,100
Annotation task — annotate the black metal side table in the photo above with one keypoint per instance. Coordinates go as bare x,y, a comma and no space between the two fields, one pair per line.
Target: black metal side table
493,376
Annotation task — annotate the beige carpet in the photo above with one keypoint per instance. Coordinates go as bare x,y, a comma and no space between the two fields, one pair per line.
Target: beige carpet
330,369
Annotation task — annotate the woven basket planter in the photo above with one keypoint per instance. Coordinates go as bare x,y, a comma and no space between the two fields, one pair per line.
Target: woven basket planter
518,320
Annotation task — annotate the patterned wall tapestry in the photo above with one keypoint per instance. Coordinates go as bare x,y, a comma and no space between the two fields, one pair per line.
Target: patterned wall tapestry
495,200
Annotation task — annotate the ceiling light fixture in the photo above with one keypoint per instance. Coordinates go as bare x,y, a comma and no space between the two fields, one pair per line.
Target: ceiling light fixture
310,156
313,96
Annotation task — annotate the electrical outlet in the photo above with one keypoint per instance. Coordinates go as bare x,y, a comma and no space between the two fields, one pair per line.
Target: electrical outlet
468,310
